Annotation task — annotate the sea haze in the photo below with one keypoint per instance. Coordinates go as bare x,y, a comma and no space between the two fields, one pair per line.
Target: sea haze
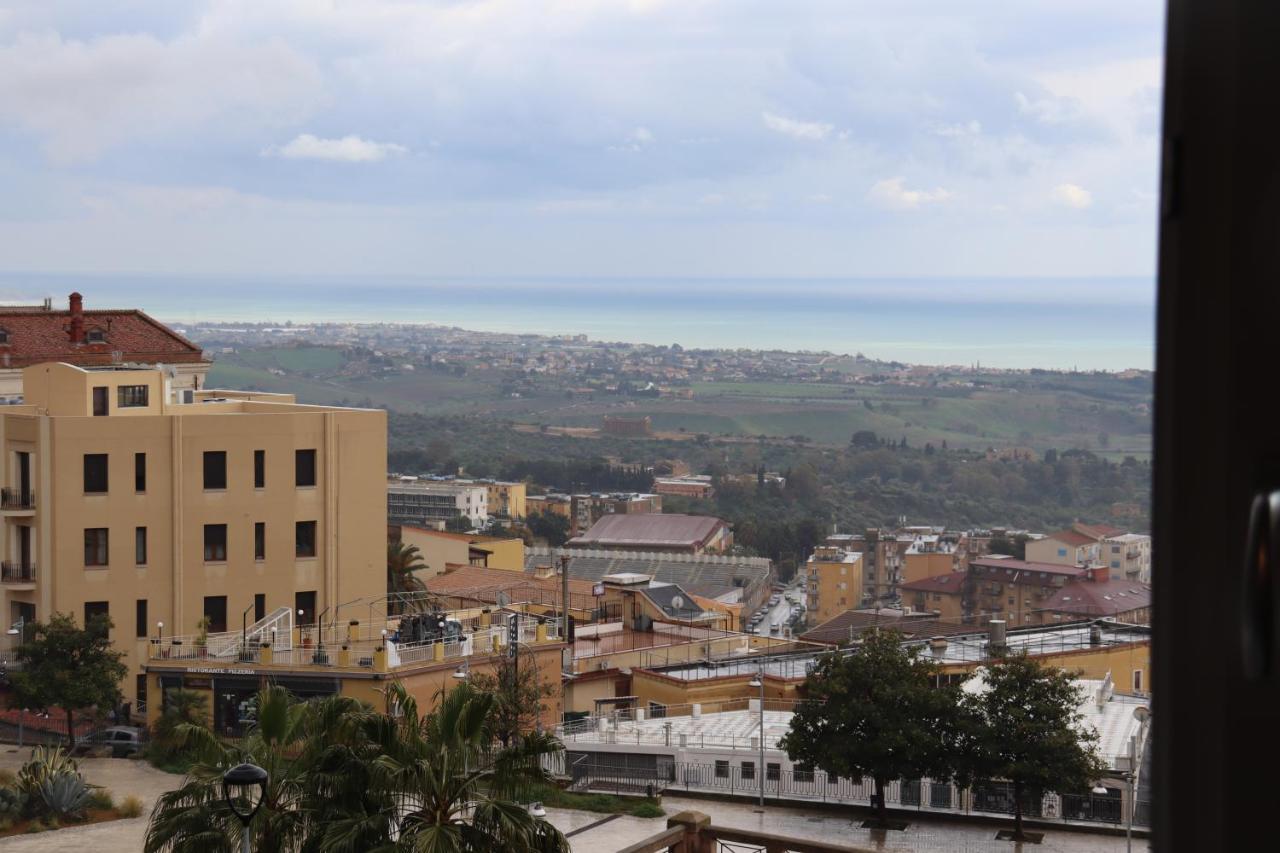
1096,323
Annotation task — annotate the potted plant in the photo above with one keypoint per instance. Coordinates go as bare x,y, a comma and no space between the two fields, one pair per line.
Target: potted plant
202,638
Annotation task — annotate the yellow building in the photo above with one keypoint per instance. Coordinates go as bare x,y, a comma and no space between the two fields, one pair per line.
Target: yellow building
927,557
122,499
357,658
507,499
441,549
554,504
833,582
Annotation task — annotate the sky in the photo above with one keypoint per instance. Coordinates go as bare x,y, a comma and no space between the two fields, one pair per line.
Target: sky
690,138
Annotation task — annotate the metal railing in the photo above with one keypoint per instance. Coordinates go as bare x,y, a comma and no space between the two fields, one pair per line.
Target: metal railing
924,795
17,498
14,572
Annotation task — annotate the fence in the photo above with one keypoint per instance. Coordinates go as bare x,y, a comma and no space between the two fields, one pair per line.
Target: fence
924,795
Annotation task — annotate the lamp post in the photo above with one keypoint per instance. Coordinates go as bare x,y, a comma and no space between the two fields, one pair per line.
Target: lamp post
758,681
238,786
244,633
159,631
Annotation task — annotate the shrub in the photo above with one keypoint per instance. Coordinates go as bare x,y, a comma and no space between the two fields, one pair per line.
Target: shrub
12,803
65,795
45,765
131,806
648,810
100,798
182,708
7,778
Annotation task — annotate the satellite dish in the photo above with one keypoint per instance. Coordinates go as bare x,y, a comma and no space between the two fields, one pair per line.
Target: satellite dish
677,601
503,599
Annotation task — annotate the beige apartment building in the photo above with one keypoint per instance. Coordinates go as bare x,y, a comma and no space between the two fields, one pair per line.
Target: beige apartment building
834,582
122,498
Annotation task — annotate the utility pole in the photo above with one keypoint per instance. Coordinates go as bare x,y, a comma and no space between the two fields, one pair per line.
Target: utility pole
564,629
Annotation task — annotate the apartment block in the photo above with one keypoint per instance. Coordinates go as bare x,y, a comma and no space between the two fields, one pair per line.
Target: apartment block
882,553
411,500
833,582
121,498
1128,555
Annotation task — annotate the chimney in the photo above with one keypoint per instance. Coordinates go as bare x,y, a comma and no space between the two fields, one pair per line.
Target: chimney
1099,574
76,327
1095,634
996,644
938,645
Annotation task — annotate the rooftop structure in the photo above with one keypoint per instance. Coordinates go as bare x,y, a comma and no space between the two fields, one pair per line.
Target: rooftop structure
96,337
411,500
690,534
746,579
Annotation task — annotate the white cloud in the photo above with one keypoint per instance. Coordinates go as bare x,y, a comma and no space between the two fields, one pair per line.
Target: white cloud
637,140
1071,195
893,195
957,131
348,149
1051,109
810,131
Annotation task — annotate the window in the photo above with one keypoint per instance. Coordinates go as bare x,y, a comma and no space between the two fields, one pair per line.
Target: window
305,539
1115,564
215,469
96,336
304,468
140,546
131,396
1137,681
1115,549
139,472
722,770
304,605
1062,552
95,546
773,771
259,607
140,690
215,610
97,616
100,402
95,473
259,469
260,540
215,543
140,617
4,337
748,770
657,711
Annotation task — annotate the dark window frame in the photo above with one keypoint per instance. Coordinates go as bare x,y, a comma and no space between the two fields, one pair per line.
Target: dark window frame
259,469
98,552
259,540
215,470
133,396
94,477
212,546
140,546
304,543
140,620
140,472
304,468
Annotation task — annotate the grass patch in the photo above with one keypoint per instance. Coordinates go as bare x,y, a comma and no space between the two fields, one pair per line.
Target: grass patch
177,764
550,795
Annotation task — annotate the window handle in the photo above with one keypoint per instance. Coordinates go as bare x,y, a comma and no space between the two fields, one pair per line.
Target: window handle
1260,601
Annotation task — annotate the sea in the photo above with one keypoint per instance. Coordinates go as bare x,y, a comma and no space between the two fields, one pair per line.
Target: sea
1045,322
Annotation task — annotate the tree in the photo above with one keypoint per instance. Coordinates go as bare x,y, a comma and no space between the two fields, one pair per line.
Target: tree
1023,725
182,708
403,561
864,438
67,667
873,710
519,694
344,777
459,524
550,526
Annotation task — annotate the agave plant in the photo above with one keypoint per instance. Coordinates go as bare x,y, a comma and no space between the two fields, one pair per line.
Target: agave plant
65,795
46,764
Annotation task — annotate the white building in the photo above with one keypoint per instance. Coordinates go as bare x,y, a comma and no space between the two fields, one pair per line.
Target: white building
411,500
1128,555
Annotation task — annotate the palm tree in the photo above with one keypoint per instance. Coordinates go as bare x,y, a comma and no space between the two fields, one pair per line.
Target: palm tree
402,563
347,779
313,751
460,791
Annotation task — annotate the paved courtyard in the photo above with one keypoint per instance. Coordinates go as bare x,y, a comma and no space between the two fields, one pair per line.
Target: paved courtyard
124,777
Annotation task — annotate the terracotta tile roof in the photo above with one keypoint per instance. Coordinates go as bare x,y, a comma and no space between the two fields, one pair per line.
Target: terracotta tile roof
649,530
1071,537
836,629
950,582
483,584
35,336
1024,566
1097,532
1100,598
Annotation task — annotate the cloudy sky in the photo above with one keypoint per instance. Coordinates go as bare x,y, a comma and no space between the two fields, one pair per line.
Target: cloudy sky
580,137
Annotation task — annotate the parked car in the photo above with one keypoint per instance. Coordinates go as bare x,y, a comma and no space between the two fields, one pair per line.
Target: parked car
123,741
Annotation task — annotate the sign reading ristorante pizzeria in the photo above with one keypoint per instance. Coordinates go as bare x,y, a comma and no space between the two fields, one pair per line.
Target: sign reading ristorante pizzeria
204,670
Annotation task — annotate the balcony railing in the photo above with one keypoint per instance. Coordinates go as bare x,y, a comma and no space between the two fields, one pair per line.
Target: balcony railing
17,572
17,499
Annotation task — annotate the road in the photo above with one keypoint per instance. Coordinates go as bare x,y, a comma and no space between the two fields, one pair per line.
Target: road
778,614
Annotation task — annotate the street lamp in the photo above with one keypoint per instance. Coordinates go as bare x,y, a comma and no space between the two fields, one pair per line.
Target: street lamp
159,631
758,681
537,810
238,786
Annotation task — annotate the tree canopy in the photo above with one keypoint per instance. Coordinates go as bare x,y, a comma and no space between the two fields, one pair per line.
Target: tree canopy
874,710
68,667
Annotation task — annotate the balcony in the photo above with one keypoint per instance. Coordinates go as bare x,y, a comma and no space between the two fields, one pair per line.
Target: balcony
17,500
17,573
